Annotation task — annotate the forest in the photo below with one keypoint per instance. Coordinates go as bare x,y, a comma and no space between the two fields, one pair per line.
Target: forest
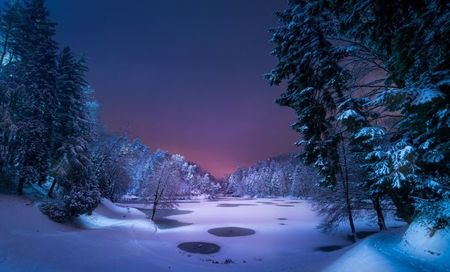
369,83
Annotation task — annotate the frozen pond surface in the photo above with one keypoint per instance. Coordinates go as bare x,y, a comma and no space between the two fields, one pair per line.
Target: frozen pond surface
278,235
123,238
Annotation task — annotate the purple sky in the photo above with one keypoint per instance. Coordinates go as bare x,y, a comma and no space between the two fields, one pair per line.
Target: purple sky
185,76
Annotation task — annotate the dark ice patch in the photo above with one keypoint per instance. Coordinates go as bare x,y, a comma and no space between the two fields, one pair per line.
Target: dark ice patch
233,205
199,247
231,232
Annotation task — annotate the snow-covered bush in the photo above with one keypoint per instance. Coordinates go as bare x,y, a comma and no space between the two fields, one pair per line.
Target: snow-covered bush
80,201
55,211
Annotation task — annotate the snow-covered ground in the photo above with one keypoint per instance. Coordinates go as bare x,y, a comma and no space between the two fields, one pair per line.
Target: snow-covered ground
122,239
396,251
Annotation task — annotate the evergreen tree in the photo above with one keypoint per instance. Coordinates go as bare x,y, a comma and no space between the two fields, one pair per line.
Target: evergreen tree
34,51
71,128
411,40
10,92
10,22
316,84
47,115
72,134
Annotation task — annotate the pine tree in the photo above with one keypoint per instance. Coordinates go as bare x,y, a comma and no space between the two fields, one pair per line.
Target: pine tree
34,51
71,127
316,83
10,22
411,40
72,133
10,92
47,115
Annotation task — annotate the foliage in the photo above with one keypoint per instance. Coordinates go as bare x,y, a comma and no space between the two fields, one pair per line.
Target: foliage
372,76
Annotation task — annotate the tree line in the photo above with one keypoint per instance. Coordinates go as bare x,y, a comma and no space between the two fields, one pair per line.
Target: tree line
47,112
287,176
280,176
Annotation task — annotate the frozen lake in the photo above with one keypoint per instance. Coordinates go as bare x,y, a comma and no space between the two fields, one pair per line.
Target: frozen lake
281,236
285,235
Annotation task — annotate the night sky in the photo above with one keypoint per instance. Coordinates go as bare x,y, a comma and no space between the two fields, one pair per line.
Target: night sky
185,76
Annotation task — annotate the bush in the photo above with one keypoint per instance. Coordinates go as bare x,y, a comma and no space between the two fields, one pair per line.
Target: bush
54,211
78,201
81,200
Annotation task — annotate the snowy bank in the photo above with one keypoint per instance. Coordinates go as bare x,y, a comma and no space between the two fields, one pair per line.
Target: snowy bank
398,251
107,214
435,248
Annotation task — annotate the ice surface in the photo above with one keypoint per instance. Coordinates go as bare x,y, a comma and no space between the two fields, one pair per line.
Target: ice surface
122,239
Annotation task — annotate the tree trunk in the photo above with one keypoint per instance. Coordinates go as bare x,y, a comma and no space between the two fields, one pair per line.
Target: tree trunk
155,203
5,44
50,191
113,191
20,187
403,204
350,214
379,210
345,183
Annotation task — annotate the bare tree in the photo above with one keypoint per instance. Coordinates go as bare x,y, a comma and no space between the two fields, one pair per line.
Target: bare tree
164,186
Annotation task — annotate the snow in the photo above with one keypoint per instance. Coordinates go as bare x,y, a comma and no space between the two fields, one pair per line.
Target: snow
372,133
113,239
436,249
396,251
350,114
109,215
121,238
426,95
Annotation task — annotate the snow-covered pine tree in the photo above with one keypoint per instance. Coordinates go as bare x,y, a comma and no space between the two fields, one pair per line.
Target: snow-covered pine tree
71,129
393,57
354,117
310,66
410,40
34,55
10,92
10,20
71,137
